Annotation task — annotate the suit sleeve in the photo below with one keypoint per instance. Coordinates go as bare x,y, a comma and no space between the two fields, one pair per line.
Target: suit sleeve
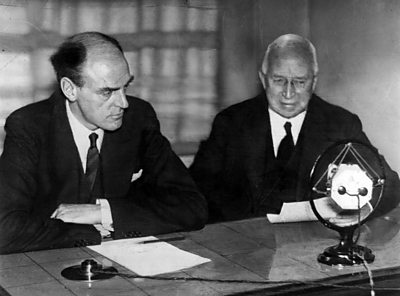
207,168
21,227
165,199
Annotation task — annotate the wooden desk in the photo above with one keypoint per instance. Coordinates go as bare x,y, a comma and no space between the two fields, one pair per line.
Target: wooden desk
242,250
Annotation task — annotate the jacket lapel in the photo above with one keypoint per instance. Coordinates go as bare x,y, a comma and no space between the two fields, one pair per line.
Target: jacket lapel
67,170
119,158
258,142
118,161
313,139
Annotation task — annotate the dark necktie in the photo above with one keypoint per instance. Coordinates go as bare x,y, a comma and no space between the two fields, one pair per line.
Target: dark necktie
93,160
286,146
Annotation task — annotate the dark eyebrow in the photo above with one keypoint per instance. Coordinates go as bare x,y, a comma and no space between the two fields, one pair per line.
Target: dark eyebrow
108,89
296,77
111,89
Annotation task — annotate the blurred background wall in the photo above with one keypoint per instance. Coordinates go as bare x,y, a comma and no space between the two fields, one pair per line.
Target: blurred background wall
191,58
171,47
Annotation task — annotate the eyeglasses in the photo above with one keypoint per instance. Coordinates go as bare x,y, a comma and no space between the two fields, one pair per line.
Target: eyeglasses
297,83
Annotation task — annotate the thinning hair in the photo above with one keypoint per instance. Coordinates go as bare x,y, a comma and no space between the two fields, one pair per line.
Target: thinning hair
296,43
71,55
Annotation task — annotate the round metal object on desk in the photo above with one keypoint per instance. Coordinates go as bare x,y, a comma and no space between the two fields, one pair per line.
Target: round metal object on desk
89,271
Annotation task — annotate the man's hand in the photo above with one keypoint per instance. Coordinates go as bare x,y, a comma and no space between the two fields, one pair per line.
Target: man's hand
78,213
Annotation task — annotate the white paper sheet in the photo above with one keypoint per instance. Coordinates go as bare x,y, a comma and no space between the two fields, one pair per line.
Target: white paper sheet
148,259
302,211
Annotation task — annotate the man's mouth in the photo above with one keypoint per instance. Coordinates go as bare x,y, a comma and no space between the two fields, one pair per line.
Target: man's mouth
117,116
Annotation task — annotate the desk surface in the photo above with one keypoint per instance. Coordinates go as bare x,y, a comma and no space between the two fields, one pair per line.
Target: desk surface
252,250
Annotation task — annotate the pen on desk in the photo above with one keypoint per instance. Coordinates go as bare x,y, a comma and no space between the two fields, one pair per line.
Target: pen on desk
168,239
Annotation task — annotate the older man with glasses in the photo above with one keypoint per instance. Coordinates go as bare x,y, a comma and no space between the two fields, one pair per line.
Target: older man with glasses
260,151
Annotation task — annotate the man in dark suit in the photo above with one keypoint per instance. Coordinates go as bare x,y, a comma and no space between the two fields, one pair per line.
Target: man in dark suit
245,170
90,161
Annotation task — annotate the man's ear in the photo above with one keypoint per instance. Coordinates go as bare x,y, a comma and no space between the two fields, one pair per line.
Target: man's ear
314,83
69,89
262,78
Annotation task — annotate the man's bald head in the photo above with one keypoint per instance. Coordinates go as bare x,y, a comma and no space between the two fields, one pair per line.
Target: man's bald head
72,54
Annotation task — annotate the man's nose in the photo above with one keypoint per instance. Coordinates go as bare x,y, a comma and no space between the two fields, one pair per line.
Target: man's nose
289,90
121,100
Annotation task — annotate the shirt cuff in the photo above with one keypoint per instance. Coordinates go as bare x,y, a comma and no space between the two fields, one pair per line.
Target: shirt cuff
106,217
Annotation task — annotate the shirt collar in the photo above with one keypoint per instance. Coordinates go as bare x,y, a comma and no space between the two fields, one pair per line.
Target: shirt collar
80,132
277,130
295,121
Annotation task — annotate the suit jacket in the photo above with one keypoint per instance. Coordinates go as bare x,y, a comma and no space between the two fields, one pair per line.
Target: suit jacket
40,168
236,170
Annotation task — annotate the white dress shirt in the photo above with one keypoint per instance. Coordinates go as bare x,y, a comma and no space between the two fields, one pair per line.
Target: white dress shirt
277,127
81,137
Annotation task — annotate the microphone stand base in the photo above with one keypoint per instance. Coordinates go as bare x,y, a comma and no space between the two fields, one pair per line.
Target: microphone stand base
352,255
